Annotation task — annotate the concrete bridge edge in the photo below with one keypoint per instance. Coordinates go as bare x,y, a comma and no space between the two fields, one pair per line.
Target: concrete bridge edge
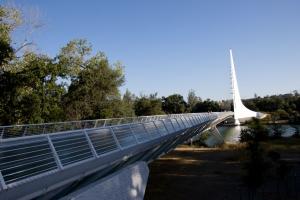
127,184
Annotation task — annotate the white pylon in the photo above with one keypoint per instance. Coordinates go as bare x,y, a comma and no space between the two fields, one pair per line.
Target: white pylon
240,111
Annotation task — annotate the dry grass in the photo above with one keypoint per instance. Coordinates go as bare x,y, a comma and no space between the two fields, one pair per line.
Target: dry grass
207,173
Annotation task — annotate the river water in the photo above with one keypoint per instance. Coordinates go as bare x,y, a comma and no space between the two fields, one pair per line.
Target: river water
231,134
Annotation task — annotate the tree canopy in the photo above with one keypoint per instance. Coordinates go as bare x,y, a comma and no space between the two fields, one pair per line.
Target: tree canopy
174,104
148,105
207,106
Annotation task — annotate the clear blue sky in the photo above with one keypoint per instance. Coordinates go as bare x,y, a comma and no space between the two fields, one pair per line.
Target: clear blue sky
171,46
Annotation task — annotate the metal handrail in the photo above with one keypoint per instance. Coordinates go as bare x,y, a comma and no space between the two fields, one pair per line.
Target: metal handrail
91,148
13,131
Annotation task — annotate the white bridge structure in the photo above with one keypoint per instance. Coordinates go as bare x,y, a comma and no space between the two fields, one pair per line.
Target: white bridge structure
241,113
97,159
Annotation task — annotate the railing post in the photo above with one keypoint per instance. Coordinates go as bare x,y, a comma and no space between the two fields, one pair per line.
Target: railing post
57,160
24,133
195,120
172,124
157,129
2,133
44,128
96,123
115,138
133,134
104,123
3,186
163,121
119,122
150,135
90,144
183,125
198,119
187,121
216,133
177,123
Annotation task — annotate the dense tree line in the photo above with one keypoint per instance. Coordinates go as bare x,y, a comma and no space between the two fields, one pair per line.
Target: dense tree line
73,85
280,107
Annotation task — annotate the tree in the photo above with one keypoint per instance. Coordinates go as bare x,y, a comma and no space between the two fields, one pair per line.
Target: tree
35,88
207,106
192,100
174,104
74,57
128,104
296,93
148,105
31,94
28,89
94,90
255,132
225,105
12,18
251,105
9,20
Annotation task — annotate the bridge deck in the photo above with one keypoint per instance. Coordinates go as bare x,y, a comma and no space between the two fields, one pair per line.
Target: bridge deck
36,163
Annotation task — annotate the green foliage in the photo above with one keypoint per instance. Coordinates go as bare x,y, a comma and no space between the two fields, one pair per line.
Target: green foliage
258,165
9,20
255,132
174,104
192,100
282,114
128,104
207,106
6,53
148,105
94,92
74,57
281,107
31,94
35,88
226,105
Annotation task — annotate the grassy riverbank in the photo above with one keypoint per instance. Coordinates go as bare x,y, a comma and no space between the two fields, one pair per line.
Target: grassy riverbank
210,173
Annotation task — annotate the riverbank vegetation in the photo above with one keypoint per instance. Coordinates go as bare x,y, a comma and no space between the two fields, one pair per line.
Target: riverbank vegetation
263,160
284,107
265,164
191,172
262,166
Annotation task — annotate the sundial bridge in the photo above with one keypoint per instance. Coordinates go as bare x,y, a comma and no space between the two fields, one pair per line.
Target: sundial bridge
98,159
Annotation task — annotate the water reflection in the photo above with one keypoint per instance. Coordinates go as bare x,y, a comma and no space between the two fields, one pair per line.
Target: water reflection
231,134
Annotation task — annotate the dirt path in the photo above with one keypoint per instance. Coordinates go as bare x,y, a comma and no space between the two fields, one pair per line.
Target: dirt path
188,173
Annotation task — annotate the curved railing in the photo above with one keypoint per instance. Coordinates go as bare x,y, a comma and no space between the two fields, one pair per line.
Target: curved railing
13,131
32,157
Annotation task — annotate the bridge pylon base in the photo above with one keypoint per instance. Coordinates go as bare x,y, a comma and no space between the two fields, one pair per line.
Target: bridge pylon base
216,133
127,184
